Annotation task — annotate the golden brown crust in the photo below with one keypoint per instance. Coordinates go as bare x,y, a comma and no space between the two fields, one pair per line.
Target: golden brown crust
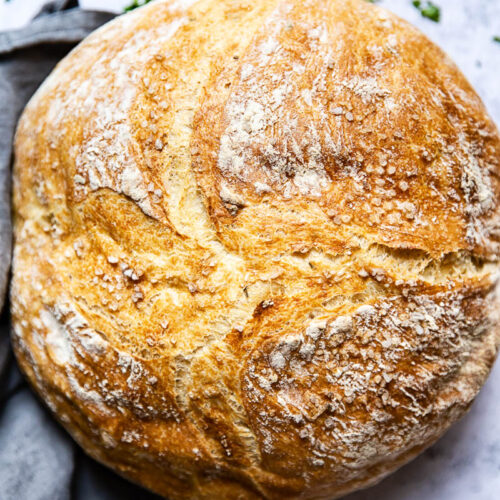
256,246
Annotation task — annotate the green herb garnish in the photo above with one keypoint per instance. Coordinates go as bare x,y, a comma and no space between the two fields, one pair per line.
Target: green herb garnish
429,10
496,39
135,4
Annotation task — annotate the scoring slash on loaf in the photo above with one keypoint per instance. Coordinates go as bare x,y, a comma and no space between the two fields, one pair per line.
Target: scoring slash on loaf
256,246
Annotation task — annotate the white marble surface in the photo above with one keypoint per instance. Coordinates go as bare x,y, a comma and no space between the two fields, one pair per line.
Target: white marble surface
465,463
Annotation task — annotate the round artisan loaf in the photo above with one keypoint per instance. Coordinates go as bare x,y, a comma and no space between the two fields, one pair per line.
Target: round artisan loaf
257,245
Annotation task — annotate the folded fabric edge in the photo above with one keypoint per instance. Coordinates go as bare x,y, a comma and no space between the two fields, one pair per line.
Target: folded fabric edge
68,26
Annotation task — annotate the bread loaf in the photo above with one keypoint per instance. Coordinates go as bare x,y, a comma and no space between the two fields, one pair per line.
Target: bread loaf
256,246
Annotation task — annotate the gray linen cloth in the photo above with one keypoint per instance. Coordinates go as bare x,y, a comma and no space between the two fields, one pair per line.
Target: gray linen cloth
38,460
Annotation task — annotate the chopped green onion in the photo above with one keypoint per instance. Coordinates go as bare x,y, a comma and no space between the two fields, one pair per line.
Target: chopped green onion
429,10
135,4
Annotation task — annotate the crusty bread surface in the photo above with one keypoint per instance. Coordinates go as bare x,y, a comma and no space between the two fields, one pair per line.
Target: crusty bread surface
256,246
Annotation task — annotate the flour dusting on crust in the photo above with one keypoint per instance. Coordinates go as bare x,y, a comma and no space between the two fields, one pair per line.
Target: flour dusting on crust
258,115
